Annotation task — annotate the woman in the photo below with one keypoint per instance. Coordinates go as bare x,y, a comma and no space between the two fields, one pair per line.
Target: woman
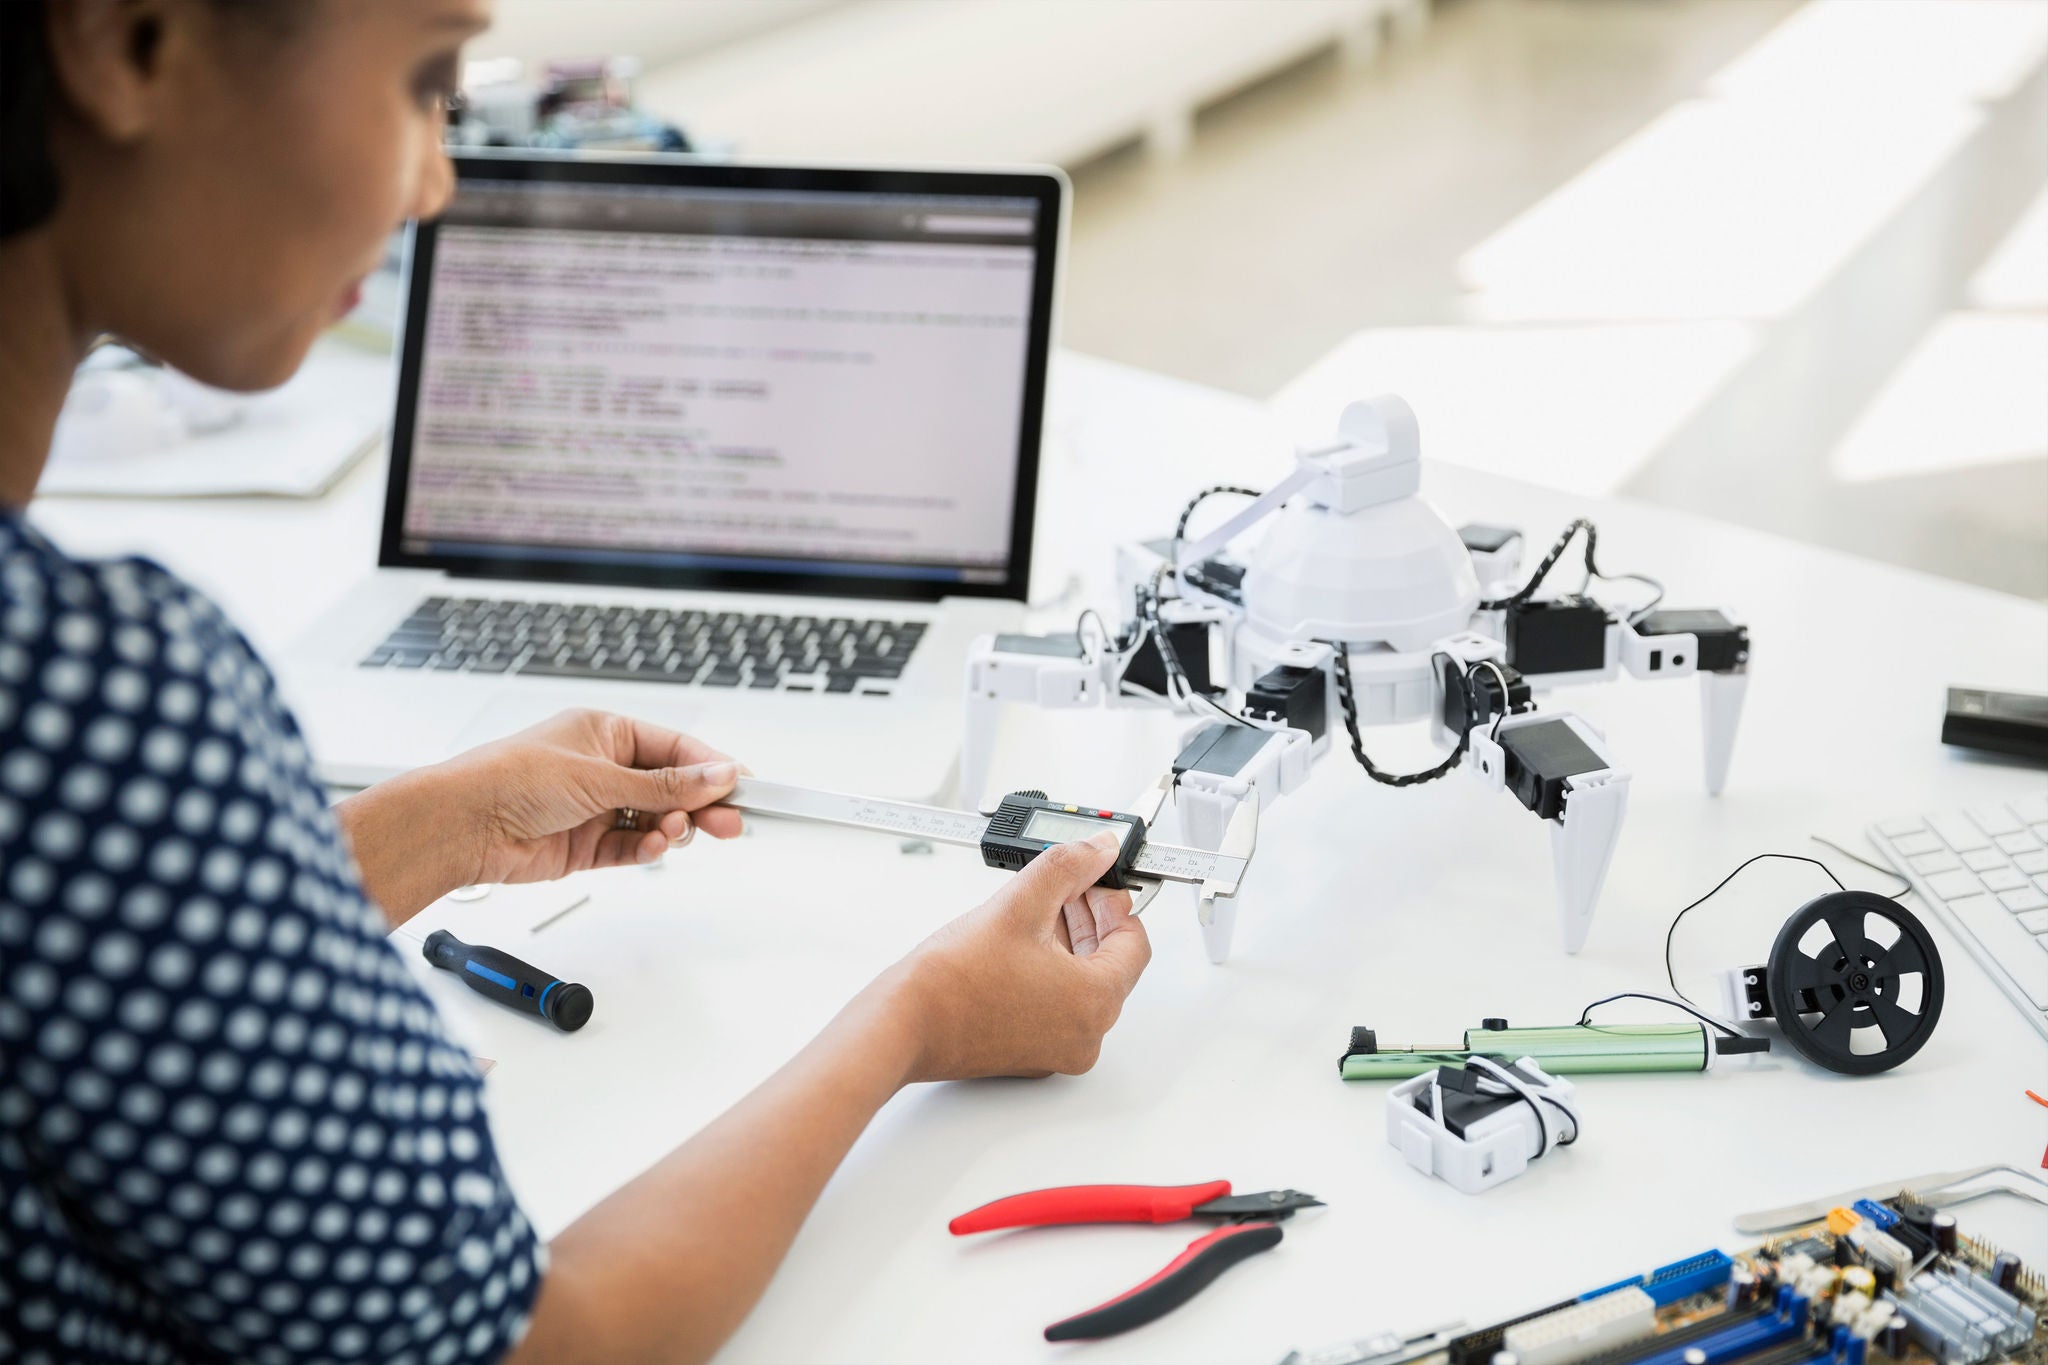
231,1127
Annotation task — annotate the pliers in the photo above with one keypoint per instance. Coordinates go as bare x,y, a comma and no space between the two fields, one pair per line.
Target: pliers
1254,1226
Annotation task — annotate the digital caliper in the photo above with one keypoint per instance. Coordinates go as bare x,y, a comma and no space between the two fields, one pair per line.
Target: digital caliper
1025,825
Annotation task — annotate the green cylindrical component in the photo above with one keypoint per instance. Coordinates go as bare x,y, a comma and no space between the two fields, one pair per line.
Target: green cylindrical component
1570,1050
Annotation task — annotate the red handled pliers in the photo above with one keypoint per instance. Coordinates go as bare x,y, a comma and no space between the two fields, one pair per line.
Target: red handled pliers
1254,1226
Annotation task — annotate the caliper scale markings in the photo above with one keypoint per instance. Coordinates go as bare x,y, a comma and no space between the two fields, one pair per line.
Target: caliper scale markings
1163,862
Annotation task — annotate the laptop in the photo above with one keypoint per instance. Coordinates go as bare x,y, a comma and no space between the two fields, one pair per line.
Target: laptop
748,451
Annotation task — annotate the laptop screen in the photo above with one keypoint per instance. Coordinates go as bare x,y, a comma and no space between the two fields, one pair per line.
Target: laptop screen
682,374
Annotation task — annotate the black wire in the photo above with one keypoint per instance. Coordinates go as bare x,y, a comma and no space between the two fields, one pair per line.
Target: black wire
1672,929
1180,529
1168,655
1520,1089
1904,885
1348,704
1586,1014
1557,550
1148,597
1559,1106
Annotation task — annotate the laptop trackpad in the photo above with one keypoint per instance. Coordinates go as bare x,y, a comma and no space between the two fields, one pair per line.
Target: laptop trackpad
516,708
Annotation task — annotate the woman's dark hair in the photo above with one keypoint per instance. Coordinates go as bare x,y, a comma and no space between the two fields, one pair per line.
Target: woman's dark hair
28,180
28,96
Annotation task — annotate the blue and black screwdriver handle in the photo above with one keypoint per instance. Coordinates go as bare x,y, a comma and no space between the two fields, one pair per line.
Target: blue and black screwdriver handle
497,975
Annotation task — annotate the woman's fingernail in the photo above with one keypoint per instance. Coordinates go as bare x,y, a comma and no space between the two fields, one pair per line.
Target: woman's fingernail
718,774
1105,841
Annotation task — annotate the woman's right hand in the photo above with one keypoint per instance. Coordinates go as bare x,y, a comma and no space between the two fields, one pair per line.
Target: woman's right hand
1027,983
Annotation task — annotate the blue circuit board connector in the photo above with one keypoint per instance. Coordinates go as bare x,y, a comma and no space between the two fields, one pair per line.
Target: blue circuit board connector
1884,1218
1679,1280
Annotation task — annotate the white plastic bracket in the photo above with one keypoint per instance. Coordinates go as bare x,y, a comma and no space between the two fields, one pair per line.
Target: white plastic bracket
995,676
1495,1148
1219,813
1659,656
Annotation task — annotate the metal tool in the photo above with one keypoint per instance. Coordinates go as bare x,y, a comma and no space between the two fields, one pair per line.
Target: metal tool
1927,1185
1024,826
1252,1225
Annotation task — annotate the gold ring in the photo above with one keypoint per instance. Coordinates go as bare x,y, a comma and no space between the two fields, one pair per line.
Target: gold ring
628,818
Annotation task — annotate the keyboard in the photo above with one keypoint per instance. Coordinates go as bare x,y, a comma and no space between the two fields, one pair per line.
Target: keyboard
1985,871
761,651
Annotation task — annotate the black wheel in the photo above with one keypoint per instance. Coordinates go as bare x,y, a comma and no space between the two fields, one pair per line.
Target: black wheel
1853,981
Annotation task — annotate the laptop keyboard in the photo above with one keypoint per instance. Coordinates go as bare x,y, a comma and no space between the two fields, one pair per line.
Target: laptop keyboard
651,644
1987,870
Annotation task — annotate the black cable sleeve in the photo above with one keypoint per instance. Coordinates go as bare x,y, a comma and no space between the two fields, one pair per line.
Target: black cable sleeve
1557,550
1348,704
1180,529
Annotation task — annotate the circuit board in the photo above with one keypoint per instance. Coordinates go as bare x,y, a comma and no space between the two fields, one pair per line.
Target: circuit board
1875,1282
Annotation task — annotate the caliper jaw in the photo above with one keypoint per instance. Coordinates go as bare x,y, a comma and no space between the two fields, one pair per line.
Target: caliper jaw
1240,840
1146,806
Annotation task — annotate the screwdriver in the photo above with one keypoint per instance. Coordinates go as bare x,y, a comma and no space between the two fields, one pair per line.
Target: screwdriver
495,973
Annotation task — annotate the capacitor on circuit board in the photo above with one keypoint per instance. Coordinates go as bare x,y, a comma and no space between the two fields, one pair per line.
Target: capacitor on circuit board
2005,1271
1944,1227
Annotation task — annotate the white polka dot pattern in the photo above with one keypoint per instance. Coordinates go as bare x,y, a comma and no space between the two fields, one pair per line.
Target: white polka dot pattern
231,1125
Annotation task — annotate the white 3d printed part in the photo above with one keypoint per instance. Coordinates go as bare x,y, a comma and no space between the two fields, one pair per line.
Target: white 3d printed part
1498,1146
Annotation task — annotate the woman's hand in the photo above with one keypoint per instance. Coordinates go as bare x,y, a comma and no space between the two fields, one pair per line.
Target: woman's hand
666,1268
541,804
547,800
1026,984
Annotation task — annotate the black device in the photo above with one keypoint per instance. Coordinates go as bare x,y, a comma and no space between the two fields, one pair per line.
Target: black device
1829,977
1540,757
1189,641
1475,697
1557,635
497,975
1219,748
1297,696
1026,824
2014,723
1723,645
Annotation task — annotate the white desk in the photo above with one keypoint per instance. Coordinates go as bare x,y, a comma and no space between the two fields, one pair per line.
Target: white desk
1416,911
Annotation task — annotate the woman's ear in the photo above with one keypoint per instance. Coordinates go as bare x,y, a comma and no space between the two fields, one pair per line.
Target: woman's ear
110,59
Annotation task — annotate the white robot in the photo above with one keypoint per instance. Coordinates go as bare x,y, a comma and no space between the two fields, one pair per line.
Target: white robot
1361,606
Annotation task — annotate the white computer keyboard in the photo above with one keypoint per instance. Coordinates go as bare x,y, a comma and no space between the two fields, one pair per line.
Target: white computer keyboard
1985,872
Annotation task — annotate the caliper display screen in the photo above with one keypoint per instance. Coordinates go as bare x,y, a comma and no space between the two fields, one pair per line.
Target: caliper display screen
1058,826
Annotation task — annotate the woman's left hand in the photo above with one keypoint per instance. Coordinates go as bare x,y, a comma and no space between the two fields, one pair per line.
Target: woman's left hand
539,805
550,799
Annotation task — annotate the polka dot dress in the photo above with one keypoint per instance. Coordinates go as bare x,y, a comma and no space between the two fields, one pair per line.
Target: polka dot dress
231,1125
